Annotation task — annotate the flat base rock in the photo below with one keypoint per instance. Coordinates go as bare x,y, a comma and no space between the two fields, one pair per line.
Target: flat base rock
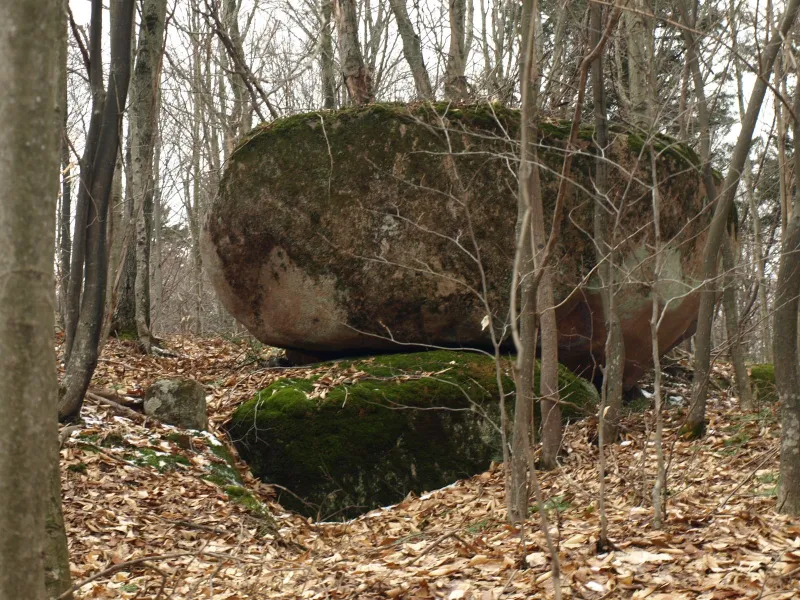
370,431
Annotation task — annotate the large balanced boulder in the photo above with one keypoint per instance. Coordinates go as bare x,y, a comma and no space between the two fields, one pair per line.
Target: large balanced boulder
356,435
178,402
365,229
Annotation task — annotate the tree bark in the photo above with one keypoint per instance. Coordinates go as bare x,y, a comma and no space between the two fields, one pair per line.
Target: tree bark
97,181
412,50
758,246
326,56
615,344
84,204
144,105
65,214
124,321
787,354
640,61
696,420
455,82
33,47
356,76
731,308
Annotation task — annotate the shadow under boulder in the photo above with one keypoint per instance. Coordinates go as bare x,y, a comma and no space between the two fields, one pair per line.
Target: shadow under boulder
360,434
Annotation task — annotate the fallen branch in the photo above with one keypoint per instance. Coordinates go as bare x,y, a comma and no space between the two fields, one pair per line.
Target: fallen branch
117,407
121,567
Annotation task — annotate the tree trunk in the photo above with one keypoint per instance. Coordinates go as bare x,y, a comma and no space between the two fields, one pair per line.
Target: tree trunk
242,113
65,242
696,420
326,56
33,47
195,214
455,82
356,76
123,324
144,106
116,241
731,308
758,246
640,61
97,180
615,344
786,351
158,277
84,205
525,331
412,50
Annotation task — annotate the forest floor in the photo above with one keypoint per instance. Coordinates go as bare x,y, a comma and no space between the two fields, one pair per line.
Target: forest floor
155,512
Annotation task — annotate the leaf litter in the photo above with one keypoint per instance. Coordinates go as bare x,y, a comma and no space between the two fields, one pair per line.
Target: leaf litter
156,512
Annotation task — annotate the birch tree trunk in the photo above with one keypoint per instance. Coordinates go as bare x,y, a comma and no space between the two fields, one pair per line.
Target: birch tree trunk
144,105
33,47
356,76
412,50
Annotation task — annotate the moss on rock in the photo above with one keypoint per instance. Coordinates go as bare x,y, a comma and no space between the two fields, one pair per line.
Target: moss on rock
347,231
762,378
408,423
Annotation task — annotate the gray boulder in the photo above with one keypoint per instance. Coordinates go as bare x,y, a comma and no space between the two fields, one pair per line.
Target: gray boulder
357,231
178,402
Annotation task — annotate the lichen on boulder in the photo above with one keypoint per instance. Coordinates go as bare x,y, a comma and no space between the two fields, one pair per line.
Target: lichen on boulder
178,402
391,425
358,230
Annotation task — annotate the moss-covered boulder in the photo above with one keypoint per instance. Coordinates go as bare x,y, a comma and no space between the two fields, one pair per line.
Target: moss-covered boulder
368,432
348,231
762,378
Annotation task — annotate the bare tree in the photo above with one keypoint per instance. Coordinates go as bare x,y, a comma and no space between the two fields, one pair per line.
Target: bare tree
144,124
787,353
33,46
97,173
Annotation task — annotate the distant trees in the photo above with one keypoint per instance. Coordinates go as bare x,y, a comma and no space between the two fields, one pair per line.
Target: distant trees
33,560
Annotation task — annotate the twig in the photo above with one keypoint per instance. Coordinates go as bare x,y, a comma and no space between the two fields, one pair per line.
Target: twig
434,544
769,456
120,567
116,406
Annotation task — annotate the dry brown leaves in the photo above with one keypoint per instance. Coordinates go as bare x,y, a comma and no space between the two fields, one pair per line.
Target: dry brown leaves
722,538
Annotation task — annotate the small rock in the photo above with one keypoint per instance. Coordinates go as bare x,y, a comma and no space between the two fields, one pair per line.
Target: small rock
178,402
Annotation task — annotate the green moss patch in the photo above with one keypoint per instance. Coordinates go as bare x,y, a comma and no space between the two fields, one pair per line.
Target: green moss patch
406,423
762,378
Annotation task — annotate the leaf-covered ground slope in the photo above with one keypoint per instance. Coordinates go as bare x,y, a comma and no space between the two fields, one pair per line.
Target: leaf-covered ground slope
135,489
